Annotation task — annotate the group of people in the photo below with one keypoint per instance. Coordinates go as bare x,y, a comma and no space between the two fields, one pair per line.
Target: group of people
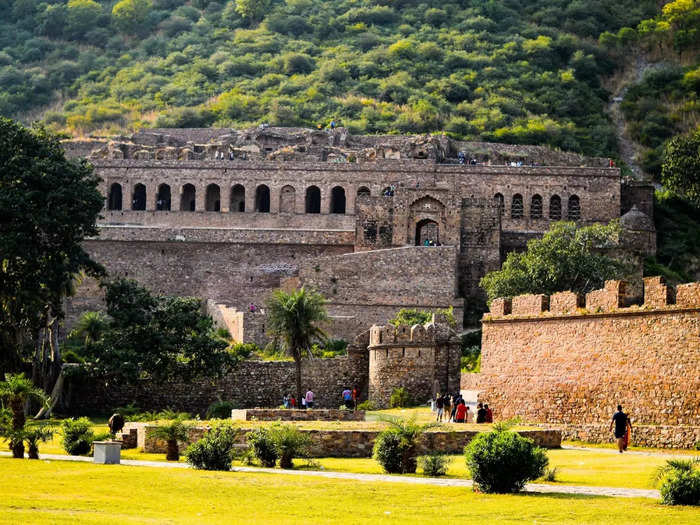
430,242
455,409
220,155
307,400
389,192
350,398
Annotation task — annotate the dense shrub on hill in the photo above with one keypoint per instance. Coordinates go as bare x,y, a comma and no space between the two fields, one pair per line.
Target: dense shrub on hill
504,70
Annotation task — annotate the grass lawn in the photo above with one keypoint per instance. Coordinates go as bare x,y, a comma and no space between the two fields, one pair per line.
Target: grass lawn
63,492
573,468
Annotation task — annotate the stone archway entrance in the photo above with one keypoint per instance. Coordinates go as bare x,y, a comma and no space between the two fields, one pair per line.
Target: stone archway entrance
427,233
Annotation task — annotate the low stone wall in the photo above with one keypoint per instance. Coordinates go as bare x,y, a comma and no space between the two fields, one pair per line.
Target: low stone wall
275,414
356,443
657,436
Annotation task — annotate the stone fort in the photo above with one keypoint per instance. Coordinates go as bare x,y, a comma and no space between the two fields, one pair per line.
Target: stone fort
380,223
230,215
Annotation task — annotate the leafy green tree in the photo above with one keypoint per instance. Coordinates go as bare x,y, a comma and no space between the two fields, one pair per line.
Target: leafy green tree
48,206
129,16
396,448
568,257
680,171
157,337
253,10
82,16
294,317
90,326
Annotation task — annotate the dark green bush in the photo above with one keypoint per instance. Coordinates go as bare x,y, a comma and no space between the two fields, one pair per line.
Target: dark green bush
367,405
77,436
433,465
215,451
289,442
400,398
388,451
502,461
220,410
260,442
680,482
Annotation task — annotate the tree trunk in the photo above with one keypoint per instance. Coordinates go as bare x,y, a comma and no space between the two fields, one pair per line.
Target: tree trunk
173,452
33,452
17,408
17,447
56,393
297,363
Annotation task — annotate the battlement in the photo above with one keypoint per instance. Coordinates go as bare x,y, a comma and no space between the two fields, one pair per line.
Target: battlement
434,332
611,299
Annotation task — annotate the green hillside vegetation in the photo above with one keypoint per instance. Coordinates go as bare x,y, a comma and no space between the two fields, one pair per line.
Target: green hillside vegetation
500,70
666,102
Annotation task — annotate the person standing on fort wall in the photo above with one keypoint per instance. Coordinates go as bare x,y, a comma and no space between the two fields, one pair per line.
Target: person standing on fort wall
623,428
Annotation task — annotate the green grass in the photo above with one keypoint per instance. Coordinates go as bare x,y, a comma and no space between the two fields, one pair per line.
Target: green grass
63,492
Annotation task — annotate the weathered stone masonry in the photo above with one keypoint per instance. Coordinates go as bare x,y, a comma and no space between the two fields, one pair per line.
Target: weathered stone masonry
559,359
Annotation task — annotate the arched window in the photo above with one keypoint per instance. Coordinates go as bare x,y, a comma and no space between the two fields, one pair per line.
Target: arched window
516,207
287,199
498,200
163,198
427,233
363,191
338,200
536,207
262,199
574,208
313,200
237,199
139,199
187,198
555,208
114,202
213,198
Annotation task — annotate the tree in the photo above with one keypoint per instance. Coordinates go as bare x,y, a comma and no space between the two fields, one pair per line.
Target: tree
568,257
680,171
91,326
156,337
129,16
82,15
293,317
252,10
171,433
48,206
396,448
17,389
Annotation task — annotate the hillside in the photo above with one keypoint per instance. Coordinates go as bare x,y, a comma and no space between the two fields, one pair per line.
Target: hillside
497,70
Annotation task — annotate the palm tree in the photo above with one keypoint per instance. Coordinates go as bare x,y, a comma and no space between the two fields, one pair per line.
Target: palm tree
35,435
176,430
17,389
91,325
409,434
293,317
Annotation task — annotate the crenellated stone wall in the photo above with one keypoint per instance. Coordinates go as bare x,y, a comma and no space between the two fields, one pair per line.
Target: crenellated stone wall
424,360
554,360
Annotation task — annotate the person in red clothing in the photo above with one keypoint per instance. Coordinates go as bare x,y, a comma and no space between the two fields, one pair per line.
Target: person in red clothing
489,414
354,397
292,401
460,412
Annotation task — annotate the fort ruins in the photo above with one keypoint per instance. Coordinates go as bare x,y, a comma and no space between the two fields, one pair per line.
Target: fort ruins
380,223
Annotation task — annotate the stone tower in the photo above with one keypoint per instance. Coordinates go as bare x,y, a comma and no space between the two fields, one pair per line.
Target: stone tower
422,359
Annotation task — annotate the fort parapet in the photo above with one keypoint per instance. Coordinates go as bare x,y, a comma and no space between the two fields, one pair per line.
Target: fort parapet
569,359
425,360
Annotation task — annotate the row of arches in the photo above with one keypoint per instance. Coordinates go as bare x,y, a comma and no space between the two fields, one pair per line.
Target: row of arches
517,207
237,198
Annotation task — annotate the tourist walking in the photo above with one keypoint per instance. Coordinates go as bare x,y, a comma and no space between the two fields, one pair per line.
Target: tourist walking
354,398
489,414
439,405
285,401
303,403
623,428
292,401
309,399
460,412
480,413
447,406
347,398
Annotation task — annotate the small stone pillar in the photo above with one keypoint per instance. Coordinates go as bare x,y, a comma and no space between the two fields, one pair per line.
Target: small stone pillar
107,452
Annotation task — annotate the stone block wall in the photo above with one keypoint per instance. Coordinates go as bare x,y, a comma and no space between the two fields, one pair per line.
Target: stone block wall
252,384
424,360
314,414
573,366
355,443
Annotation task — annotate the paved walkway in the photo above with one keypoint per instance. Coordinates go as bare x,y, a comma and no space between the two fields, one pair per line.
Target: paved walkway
540,488
663,455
